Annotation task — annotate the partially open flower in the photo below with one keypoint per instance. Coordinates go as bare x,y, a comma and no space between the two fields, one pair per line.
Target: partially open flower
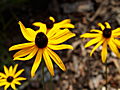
105,36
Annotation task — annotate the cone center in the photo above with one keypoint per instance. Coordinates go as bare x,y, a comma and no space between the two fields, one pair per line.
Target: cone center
107,33
10,79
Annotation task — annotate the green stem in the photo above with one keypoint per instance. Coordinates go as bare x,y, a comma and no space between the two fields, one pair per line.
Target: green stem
43,74
51,83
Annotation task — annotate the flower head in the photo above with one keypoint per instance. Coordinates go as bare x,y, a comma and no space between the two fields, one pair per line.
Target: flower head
41,43
105,36
10,77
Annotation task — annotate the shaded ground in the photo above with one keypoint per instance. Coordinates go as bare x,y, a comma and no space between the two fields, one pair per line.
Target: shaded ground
83,72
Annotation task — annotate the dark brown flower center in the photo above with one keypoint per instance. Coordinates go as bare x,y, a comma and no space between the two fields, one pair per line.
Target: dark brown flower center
107,33
41,40
10,79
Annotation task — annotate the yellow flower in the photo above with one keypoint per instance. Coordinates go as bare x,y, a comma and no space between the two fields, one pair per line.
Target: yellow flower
10,78
105,36
42,43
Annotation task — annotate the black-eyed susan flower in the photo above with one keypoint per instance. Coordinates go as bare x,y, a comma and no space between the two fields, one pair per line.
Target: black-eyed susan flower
10,77
105,36
41,43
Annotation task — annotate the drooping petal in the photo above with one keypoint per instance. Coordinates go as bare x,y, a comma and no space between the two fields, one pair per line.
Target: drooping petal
6,86
60,47
56,59
101,25
113,47
93,41
117,42
104,51
36,62
62,39
42,27
3,75
96,46
31,55
28,33
107,25
18,73
21,46
6,70
48,62
90,35
13,86
15,68
23,52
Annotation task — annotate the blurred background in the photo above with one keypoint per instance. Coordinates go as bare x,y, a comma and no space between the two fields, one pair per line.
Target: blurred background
83,72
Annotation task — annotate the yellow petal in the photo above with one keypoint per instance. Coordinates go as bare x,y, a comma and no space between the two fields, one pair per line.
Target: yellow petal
10,70
23,52
104,52
2,80
18,73
20,78
107,25
28,33
62,39
113,47
21,46
13,86
16,82
117,30
3,75
93,41
42,27
3,83
96,46
117,42
90,35
6,86
48,62
60,47
52,19
56,59
15,68
6,70
36,62
31,55
95,30
101,25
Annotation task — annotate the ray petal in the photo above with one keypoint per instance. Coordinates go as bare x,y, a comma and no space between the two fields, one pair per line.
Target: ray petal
18,73
51,18
10,70
6,70
96,46
62,39
48,62
93,41
15,68
36,62
21,46
3,83
16,82
113,47
104,51
56,59
89,35
101,26
20,78
23,52
117,30
31,55
42,27
3,75
60,47
108,25
6,86
117,42
28,33
13,86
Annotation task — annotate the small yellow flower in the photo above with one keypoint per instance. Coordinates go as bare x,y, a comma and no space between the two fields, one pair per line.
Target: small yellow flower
42,43
105,36
10,78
